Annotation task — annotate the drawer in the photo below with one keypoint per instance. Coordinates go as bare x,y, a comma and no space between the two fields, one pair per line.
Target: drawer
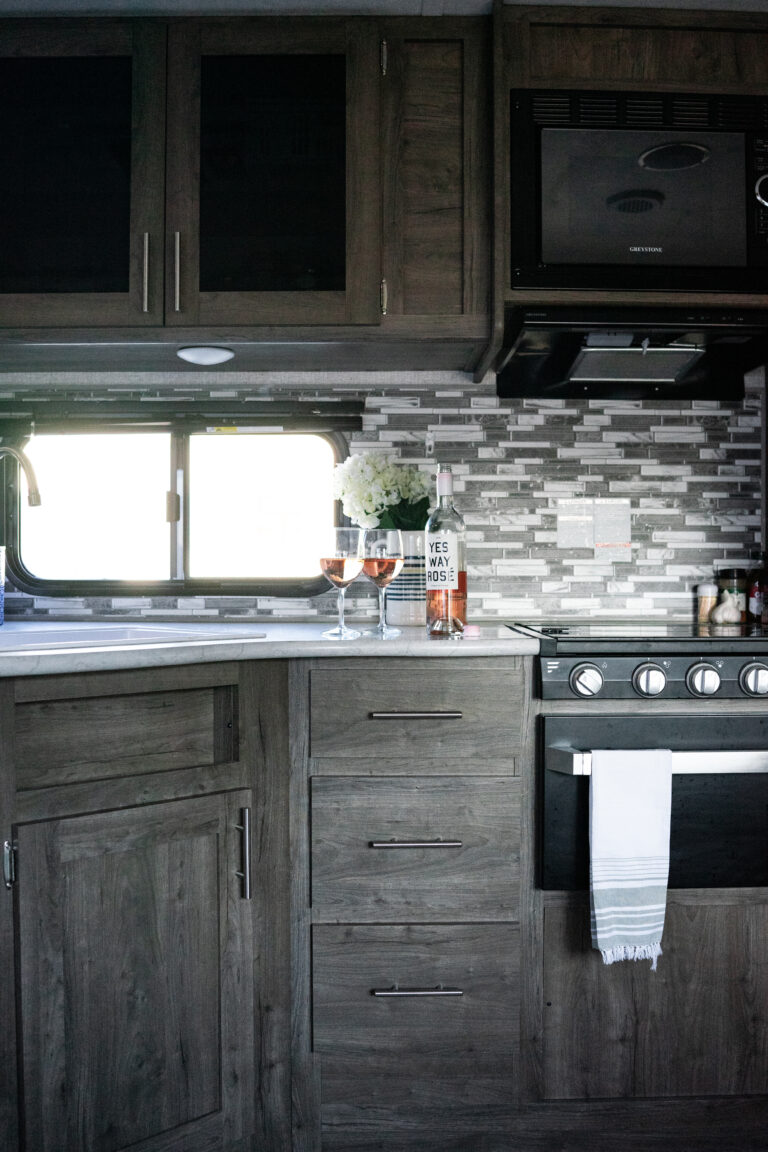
437,1059
415,849
451,713
356,968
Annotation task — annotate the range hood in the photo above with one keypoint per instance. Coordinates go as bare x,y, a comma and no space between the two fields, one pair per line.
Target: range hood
630,353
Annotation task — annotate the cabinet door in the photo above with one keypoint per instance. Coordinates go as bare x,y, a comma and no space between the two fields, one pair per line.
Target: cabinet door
81,180
273,173
137,1014
436,179
698,1026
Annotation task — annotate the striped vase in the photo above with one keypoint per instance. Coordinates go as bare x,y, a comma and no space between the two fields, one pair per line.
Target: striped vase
406,595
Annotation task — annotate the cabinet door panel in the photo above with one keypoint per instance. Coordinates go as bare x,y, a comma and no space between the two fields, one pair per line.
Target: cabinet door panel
81,180
272,186
698,1026
137,990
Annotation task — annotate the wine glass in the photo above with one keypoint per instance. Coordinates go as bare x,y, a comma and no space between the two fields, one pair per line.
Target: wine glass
382,560
341,563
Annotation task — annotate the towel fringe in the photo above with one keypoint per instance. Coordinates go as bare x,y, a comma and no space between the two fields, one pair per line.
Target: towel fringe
632,952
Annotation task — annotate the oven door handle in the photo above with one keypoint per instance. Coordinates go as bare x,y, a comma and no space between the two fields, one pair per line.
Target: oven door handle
573,762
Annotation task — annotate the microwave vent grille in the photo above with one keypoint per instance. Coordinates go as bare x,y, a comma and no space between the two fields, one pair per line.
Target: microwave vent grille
552,108
649,110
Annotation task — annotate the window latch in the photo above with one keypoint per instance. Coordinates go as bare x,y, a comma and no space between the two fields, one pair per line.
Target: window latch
172,507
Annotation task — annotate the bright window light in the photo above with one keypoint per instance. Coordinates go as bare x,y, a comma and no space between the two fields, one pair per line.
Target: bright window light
103,512
259,504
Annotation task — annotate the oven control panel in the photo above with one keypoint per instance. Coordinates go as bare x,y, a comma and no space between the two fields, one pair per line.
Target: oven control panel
694,677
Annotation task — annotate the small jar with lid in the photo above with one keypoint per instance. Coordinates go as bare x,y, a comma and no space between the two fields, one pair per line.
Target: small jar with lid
734,580
757,593
706,599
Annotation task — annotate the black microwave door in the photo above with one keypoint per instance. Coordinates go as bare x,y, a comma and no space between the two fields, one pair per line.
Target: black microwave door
652,198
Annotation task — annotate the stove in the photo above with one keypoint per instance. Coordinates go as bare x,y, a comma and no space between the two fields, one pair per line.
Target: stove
650,660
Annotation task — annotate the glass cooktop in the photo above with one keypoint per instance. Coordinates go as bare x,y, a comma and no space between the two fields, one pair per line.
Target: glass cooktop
629,636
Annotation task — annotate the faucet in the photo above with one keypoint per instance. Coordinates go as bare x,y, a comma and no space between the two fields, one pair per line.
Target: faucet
33,493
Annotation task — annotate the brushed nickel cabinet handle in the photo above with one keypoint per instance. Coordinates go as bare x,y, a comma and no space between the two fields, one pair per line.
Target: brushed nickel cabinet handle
145,273
245,852
438,990
415,843
414,715
177,271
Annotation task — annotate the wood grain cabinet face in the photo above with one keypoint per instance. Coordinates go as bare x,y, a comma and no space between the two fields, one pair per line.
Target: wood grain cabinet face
83,143
436,121
426,716
137,991
368,865
414,897
434,1062
698,1026
272,172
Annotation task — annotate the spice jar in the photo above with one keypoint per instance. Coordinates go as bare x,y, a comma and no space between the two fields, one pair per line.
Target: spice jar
757,593
706,599
734,580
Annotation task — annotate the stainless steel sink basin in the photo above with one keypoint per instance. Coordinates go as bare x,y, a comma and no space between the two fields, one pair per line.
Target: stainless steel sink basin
26,637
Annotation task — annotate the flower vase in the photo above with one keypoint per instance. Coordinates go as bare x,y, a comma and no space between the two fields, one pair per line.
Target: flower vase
407,594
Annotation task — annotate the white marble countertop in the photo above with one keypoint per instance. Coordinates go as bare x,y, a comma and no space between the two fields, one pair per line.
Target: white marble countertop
46,647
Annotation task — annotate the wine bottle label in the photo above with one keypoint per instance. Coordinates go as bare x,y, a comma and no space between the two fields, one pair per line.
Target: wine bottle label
443,562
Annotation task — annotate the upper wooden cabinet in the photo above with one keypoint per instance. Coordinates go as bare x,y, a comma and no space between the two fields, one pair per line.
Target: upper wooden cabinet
81,183
270,166
609,47
272,211
436,95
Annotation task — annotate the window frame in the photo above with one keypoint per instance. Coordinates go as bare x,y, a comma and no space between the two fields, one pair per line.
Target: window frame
180,428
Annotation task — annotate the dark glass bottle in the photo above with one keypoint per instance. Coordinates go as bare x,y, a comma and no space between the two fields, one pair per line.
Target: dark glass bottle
757,593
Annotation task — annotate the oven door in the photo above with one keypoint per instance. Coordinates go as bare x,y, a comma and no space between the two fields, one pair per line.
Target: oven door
719,829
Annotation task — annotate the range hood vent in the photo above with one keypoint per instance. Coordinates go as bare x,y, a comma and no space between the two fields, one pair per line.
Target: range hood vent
630,353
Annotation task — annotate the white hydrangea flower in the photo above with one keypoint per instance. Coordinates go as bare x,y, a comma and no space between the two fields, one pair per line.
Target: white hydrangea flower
369,484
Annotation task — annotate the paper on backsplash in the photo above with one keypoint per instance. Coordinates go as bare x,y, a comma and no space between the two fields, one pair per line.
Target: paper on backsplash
602,525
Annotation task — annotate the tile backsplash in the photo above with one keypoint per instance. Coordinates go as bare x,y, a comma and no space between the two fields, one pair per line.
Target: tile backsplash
688,473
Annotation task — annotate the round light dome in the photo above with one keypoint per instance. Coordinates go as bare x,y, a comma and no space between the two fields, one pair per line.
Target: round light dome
205,355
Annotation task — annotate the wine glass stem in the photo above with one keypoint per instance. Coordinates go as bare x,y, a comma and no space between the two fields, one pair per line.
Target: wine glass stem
382,609
342,594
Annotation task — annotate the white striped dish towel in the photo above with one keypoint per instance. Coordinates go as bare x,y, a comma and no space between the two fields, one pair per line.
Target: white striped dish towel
630,799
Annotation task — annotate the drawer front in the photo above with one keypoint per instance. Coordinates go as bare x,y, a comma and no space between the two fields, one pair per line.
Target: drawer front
475,967
442,711
421,1061
98,737
417,849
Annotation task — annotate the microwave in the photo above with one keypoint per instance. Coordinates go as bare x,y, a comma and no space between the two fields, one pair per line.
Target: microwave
639,190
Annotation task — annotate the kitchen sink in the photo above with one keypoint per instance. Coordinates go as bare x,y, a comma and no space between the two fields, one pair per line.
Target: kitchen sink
25,637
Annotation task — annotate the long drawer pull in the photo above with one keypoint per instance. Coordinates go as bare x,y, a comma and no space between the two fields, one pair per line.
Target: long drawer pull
415,843
245,852
414,715
438,990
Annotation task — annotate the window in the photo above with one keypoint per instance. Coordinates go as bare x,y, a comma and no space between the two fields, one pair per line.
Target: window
172,510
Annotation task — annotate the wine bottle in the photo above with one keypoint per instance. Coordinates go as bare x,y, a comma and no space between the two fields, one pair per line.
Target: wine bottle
446,564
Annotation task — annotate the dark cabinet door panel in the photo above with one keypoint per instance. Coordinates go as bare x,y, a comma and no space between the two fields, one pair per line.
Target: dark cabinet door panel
81,180
137,989
698,1026
272,173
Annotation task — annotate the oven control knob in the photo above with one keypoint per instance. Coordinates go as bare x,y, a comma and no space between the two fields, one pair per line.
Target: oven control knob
649,680
702,680
753,679
586,680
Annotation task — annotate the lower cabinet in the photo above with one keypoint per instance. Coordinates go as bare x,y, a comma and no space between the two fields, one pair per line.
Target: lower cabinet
137,998
698,1026
149,908
411,924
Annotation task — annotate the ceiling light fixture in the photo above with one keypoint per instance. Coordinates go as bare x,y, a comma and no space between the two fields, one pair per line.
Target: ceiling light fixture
204,355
